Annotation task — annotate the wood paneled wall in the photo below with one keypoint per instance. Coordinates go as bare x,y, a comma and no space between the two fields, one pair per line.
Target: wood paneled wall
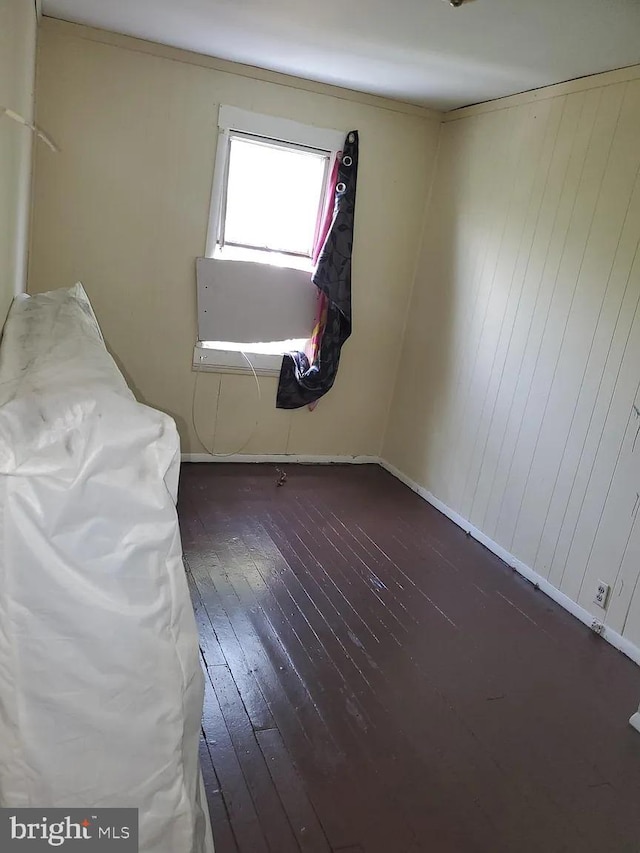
517,399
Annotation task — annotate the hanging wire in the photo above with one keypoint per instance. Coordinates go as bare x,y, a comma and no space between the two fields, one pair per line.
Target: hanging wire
32,127
215,420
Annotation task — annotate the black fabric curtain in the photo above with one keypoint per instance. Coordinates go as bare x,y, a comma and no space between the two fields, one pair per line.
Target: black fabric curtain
302,382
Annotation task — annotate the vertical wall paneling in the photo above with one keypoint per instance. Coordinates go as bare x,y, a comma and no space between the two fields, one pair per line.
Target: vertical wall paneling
524,413
512,395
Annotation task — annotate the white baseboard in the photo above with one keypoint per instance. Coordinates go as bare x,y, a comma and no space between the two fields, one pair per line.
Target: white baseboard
282,458
616,640
635,721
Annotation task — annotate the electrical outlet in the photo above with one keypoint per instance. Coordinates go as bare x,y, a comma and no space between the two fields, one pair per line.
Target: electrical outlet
601,596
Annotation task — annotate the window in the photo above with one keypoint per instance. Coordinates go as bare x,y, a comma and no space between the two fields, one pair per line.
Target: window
267,201
261,210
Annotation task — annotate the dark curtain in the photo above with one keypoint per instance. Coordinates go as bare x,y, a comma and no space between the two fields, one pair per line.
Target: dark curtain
303,382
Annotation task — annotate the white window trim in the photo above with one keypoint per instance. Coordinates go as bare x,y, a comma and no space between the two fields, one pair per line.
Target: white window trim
210,360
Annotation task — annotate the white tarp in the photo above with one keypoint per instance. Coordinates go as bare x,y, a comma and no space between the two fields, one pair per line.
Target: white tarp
100,684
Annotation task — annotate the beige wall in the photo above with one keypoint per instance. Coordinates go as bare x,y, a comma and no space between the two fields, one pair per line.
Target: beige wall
124,208
517,392
17,68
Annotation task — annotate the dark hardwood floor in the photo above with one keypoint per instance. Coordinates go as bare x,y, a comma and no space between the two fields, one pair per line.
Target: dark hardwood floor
378,682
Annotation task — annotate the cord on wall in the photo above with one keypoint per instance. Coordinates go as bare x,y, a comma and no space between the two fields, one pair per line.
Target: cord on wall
32,127
215,420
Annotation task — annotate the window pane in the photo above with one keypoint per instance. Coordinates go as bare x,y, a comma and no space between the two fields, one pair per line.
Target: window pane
273,195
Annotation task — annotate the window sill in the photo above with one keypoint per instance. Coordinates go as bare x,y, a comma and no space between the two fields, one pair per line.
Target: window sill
256,256
210,360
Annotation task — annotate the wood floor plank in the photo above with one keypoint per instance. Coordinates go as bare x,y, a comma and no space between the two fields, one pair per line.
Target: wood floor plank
209,645
302,816
223,837
199,560
240,807
273,819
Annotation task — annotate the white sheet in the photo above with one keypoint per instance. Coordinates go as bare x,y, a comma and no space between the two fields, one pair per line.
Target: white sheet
100,685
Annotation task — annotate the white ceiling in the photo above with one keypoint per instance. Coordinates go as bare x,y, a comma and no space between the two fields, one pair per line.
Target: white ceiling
421,51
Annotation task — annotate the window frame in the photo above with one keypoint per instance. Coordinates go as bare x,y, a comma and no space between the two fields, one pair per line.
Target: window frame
283,133
327,156
233,121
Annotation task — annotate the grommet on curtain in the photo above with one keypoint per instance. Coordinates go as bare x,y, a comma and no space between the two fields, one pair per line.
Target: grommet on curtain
341,187
347,161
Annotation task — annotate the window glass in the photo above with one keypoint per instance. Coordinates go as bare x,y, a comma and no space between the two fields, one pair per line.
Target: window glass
273,196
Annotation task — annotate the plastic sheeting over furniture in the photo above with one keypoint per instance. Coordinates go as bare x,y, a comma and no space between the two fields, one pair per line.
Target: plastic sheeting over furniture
100,685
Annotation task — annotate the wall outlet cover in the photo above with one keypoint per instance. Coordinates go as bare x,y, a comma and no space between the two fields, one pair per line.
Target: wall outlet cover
601,595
